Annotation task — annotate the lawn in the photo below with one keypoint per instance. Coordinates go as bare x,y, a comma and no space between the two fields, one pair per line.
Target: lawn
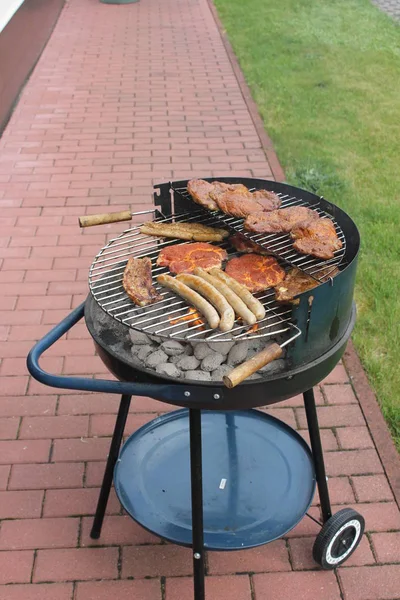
326,78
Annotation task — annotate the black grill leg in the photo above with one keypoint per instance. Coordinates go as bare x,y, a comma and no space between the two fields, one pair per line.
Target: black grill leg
316,446
196,476
109,471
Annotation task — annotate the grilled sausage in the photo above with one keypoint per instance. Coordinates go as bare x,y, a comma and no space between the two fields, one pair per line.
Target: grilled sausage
237,303
252,303
182,290
214,296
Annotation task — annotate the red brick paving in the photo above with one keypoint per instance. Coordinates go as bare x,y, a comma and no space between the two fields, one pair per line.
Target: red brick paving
124,97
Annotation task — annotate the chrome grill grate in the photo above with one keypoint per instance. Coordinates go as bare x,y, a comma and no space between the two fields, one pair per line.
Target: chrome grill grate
164,318
281,245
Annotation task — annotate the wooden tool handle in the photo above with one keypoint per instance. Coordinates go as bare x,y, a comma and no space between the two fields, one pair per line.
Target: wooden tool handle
90,220
252,365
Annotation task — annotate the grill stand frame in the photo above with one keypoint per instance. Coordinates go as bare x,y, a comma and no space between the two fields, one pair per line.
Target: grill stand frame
196,471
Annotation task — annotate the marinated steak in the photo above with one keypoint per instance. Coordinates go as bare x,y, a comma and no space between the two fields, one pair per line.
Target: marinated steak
245,246
231,198
297,281
185,231
279,221
255,272
238,203
206,194
184,258
269,200
317,238
137,282
200,192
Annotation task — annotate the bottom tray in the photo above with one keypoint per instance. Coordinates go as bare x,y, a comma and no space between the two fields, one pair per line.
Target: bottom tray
258,478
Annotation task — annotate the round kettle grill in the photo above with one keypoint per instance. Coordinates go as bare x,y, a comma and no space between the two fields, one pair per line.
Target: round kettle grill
238,506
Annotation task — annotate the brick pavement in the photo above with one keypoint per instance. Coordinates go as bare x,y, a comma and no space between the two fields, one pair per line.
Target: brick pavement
122,97
391,7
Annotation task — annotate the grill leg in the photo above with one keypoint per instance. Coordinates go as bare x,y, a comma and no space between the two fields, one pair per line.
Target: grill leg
316,446
196,476
109,471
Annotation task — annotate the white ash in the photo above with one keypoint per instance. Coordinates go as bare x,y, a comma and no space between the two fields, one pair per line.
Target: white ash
138,337
144,352
274,367
156,358
221,347
188,363
168,369
238,353
202,350
172,347
212,361
218,374
199,361
198,375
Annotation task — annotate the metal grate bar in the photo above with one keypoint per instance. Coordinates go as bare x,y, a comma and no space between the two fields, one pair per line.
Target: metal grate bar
281,245
164,318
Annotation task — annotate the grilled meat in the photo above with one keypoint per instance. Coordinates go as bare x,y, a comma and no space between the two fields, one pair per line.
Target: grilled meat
238,203
184,258
231,198
317,238
255,272
200,192
297,281
185,231
279,221
137,282
245,246
269,200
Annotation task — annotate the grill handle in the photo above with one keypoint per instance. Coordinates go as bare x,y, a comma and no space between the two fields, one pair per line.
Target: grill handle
178,394
103,219
256,362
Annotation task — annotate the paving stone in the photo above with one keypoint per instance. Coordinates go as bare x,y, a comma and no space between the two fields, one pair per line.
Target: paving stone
272,557
123,590
352,438
387,546
76,563
117,531
21,504
374,583
235,587
38,591
156,561
16,567
372,488
300,585
38,533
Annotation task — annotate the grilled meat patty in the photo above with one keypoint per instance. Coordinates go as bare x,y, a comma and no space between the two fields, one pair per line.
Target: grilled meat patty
184,258
269,200
318,238
279,221
245,246
137,282
200,190
185,231
255,272
231,198
297,281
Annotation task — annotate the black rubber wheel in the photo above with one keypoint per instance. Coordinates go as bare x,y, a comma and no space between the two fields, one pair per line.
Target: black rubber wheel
338,538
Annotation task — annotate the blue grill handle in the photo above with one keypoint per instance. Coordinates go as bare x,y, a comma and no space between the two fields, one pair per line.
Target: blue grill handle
179,394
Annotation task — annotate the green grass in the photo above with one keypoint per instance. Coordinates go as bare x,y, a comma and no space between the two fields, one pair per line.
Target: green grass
325,75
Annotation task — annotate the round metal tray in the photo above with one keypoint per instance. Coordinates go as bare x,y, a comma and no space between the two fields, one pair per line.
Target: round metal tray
258,478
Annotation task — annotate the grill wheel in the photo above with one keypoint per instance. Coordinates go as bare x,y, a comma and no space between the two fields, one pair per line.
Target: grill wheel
338,538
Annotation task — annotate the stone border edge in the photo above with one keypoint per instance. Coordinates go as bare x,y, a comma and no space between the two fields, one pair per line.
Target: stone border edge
266,143
377,426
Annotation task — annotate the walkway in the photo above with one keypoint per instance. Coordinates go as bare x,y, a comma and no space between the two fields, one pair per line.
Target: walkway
391,7
122,97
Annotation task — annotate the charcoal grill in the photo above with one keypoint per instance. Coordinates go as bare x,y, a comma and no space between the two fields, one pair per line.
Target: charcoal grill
259,475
